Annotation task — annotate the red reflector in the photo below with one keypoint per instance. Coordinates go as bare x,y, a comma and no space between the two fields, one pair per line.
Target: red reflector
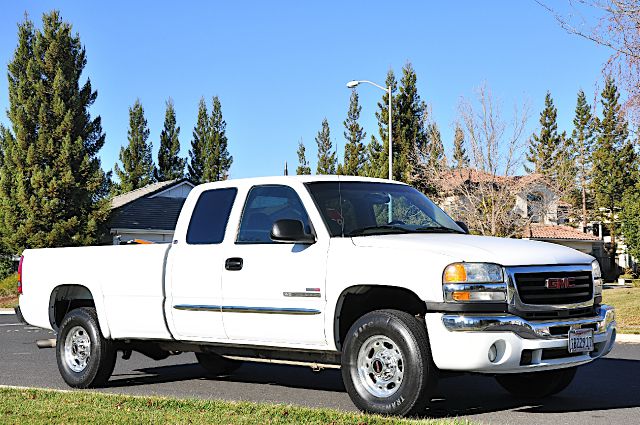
20,275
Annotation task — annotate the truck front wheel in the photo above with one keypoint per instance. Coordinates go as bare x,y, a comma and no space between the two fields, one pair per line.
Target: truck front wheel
536,385
386,364
85,359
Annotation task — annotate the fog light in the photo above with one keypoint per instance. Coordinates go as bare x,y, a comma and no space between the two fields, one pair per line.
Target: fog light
493,353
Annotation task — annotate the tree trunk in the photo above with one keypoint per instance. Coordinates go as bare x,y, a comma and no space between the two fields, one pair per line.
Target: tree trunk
614,267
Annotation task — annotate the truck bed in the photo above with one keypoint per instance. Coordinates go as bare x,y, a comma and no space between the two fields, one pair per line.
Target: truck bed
126,283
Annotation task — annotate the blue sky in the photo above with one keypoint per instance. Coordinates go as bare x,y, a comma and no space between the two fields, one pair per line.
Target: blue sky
279,68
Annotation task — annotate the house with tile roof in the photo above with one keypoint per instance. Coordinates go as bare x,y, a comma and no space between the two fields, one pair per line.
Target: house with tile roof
532,197
149,213
573,238
564,235
541,213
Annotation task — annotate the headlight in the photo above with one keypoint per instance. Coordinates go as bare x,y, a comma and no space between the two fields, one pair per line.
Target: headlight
596,273
463,282
595,269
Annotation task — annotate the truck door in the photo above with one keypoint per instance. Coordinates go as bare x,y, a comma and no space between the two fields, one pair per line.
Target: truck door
195,267
274,292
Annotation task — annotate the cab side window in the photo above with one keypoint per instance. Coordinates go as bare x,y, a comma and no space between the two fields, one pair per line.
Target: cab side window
264,206
210,216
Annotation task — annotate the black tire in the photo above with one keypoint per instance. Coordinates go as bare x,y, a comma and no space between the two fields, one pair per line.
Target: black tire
407,336
102,354
216,365
537,385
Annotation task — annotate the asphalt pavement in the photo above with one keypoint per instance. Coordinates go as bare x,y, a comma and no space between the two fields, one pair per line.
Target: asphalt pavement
604,392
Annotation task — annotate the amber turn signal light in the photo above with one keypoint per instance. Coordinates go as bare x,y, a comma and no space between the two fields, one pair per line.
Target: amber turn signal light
455,273
461,296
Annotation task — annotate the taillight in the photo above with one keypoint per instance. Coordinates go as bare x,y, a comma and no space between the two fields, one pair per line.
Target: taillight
20,275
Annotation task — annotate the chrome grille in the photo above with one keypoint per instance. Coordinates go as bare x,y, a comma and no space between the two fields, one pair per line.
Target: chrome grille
532,288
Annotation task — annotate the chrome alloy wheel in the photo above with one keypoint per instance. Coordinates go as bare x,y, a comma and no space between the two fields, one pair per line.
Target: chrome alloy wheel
380,366
77,349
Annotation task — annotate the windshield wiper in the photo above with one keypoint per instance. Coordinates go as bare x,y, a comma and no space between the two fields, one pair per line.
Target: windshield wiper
438,229
385,228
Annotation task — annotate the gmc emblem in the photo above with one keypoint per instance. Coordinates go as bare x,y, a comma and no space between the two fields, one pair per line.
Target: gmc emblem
559,283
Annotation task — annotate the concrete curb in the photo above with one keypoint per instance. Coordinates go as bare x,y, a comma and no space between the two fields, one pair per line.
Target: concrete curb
56,390
6,311
628,338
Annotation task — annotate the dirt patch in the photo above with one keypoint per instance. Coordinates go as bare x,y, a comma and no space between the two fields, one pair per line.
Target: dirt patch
8,302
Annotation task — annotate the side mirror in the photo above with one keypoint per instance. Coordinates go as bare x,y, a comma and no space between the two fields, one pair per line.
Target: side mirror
290,231
463,226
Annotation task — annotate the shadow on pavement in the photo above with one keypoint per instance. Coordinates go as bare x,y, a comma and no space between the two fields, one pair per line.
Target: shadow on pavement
252,373
156,375
603,385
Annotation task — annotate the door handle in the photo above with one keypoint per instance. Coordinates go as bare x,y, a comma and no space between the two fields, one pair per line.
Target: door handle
233,263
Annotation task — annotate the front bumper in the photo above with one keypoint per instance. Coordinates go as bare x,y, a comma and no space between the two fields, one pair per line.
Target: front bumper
462,341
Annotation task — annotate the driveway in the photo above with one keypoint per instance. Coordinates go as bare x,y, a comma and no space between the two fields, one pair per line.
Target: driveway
604,392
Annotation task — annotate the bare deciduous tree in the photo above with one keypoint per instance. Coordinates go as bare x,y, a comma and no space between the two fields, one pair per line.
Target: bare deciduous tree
484,194
487,203
617,27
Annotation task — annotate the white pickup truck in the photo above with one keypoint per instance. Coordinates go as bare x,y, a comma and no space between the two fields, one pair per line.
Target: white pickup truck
365,275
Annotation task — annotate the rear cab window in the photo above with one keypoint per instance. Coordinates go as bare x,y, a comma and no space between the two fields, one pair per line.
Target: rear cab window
210,216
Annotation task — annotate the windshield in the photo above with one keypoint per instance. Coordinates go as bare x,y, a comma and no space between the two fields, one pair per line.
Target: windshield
368,208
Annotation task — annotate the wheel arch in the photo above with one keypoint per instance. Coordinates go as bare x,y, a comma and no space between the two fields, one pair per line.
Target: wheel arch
358,300
67,297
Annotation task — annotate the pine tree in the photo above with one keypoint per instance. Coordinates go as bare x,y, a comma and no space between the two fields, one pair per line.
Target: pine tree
630,221
52,187
218,160
376,160
613,160
428,161
197,153
410,126
544,146
326,154
584,142
565,171
303,164
354,150
435,150
170,165
137,163
377,157
460,158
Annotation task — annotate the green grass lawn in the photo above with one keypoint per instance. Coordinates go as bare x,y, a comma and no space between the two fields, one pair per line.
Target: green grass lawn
9,291
627,304
46,406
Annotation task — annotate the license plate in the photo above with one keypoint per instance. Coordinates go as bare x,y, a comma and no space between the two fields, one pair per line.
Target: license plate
580,340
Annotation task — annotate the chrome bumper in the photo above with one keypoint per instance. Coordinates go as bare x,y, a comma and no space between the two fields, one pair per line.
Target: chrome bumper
538,329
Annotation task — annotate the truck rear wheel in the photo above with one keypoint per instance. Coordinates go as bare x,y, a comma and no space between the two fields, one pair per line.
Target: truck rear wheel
536,385
386,364
85,359
216,365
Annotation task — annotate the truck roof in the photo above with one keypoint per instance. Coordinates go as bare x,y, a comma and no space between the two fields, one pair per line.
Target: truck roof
289,179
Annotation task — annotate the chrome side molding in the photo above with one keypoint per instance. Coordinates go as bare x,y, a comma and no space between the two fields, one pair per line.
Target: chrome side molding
244,309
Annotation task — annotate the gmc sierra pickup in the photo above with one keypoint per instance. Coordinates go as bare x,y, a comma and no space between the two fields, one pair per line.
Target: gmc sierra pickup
365,275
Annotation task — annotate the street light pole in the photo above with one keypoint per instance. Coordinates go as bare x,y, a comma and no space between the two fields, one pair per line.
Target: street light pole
353,84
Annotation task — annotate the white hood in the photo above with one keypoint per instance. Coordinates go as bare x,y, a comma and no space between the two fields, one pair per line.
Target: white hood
469,248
